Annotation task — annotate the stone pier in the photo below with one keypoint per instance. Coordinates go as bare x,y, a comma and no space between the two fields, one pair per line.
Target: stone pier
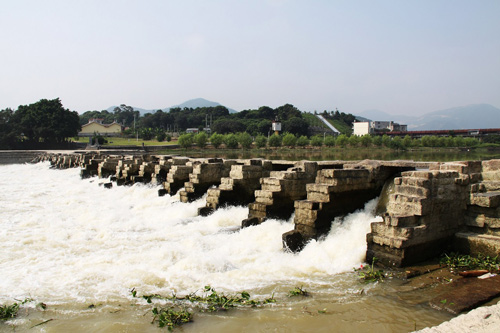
178,174
337,192
205,174
279,191
239,188
452,206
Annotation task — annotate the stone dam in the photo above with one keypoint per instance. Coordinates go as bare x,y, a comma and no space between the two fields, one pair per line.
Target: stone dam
427,207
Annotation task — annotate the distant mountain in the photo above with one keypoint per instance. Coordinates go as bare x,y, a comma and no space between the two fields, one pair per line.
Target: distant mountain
384,116
463,117
142,111
192,103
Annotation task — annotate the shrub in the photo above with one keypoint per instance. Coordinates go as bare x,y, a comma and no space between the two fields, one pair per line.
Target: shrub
216,140
377,140
353,140
275,140
330,141
185,140
231,141
289,140
201,139
317,141
342,140
260,141
366,140
302,141
245,140
161,136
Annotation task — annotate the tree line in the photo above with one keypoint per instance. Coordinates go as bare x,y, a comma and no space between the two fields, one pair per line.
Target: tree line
245,141
218,118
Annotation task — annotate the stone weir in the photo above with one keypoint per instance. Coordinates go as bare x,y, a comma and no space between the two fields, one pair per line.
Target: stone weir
433,207
450,206
337,192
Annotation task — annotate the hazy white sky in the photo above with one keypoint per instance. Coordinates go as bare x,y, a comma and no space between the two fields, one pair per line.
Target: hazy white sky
399,56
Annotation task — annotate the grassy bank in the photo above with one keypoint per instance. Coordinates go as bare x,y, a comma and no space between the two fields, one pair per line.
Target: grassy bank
119,141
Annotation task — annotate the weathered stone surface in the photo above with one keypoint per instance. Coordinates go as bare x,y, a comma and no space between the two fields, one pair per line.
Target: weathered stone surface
468,242
437,204
466,294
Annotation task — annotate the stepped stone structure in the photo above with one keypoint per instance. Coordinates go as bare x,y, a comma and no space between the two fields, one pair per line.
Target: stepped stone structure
432,207
450,206
279,191
239,188
205,174
337,192
178,174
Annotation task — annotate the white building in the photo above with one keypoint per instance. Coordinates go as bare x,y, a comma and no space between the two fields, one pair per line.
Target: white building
371,127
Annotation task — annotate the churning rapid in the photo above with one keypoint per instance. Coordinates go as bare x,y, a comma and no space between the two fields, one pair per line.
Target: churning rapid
69,239
69,242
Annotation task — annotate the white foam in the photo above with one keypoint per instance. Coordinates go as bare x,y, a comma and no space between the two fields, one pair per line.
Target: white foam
67,239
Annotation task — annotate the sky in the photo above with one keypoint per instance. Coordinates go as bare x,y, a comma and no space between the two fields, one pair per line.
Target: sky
402,57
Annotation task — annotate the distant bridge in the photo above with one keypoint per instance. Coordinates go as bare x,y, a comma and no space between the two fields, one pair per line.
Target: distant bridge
470,133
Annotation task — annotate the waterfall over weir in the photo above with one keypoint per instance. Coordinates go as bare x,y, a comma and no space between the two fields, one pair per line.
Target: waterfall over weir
69,243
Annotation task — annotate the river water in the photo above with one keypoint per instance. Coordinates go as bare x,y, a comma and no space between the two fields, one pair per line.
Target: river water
80,248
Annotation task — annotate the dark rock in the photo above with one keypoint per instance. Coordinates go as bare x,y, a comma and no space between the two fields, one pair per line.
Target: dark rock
293,241
250,222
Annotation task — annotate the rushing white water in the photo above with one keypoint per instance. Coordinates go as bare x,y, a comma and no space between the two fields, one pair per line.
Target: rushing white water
65,239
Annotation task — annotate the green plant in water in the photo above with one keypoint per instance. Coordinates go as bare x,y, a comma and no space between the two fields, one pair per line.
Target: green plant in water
171,317
457,261
212,301
298,291
8,311
369,274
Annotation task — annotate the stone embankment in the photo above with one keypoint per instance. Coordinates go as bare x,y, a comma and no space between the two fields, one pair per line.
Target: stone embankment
430,208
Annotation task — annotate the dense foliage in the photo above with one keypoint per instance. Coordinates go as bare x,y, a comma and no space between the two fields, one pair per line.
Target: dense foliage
254,122
44,122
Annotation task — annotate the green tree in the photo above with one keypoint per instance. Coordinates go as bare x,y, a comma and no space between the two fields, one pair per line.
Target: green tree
296,125
289,140
46,121
8,133
397,143
302,141
330,141
185,140
317,141
342,140
245,140
458,141
231,141
274,140
353,140
260,141
216,140
407,141
377,140
366,140
161,136
386,140
470,142
146,133
201,139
